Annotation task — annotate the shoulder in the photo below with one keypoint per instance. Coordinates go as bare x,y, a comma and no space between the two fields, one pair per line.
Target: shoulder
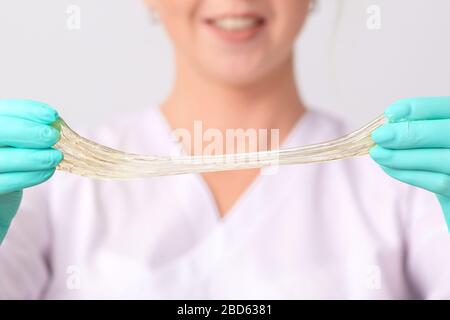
358,183
317,126
362,171
140,132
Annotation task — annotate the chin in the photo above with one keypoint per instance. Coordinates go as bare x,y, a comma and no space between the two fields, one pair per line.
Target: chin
240,80
240,73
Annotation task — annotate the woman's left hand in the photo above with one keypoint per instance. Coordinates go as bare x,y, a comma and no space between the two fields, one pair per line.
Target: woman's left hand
414,147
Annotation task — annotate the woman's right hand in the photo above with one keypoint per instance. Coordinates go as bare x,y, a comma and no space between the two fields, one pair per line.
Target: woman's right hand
26,154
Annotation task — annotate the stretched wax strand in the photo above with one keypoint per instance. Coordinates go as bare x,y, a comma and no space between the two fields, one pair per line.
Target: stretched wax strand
87,158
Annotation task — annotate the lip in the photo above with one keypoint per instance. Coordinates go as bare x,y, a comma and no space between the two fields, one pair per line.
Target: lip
236,36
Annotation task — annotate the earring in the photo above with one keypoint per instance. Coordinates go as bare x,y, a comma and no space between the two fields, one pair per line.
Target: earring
312,5
154,17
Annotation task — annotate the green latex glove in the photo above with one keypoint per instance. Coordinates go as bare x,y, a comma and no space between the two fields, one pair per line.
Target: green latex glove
26,154
414,147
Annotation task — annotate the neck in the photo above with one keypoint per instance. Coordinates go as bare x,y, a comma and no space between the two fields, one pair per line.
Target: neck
272,103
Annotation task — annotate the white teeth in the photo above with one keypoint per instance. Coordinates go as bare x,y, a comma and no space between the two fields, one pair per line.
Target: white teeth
236,23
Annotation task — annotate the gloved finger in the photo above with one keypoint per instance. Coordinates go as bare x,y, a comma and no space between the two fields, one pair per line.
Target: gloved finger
29,110
21,133
434,160
438,183
426,108
414,134
16,160
445,204
9,204
15,181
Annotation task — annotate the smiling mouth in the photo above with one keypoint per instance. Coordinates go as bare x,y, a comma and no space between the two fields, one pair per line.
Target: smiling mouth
236,28
236,23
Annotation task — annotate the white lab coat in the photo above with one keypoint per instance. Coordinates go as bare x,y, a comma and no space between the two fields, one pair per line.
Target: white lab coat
338,230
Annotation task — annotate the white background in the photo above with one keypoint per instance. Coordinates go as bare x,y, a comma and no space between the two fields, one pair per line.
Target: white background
119,62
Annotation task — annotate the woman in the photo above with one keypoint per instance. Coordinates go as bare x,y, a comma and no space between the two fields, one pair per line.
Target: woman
338,230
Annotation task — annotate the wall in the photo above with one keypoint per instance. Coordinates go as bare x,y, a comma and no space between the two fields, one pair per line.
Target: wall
120,62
